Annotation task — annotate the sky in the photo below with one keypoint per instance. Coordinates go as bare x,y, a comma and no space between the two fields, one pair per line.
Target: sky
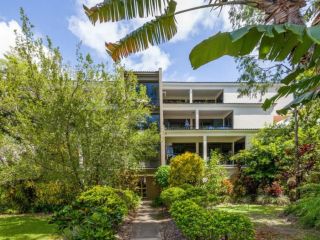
66,24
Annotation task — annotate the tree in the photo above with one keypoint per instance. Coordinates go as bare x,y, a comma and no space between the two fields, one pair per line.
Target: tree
76,124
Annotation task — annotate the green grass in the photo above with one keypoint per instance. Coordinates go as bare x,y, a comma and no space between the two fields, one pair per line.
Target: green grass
252,209
270,223
26,227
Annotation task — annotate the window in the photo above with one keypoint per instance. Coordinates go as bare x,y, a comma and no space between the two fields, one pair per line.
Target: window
152,90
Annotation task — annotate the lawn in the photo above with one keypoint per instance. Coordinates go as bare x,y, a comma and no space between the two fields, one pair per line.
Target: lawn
26,227
271,224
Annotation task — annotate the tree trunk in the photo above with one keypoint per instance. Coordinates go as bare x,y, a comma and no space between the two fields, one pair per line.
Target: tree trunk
282,11
297,155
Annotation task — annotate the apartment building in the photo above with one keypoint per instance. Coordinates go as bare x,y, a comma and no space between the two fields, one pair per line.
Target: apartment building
201,117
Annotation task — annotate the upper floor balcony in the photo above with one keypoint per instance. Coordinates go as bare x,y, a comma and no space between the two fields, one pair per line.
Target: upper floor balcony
203,120
187,96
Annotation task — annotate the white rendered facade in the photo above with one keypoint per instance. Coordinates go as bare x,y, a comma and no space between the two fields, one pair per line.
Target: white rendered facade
203,116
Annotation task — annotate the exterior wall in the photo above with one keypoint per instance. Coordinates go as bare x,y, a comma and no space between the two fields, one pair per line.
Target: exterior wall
247,112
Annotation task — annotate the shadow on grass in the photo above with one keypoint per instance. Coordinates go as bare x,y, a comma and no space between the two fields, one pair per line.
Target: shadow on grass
25,228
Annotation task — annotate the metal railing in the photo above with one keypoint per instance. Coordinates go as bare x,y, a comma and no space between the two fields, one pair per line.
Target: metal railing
178,127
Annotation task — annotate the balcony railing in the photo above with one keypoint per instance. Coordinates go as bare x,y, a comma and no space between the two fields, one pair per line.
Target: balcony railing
182,101
179,127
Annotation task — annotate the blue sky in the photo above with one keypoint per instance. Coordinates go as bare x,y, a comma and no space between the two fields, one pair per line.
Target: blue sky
66,24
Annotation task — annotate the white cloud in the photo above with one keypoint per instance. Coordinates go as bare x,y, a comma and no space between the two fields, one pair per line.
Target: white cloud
7,34
189,23
149,60
95,37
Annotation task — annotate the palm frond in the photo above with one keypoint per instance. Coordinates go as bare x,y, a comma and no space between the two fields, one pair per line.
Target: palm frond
116,10
157,31
306,90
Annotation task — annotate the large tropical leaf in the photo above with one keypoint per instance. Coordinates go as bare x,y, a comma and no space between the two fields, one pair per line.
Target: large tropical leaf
157,31
305,90
267,39
116,10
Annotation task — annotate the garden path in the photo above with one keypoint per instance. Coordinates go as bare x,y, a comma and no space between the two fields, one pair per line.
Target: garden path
147,223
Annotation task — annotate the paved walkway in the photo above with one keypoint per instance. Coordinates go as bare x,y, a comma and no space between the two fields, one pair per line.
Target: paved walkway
146,225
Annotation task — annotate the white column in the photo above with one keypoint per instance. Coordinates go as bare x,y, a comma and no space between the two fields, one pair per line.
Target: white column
191,123
232,148
205,148
197,147
197,119
190,95
162,136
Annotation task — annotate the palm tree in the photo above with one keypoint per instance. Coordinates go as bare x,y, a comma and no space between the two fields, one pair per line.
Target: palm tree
163,27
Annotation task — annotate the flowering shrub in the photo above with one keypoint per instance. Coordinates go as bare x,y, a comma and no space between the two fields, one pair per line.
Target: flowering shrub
274,190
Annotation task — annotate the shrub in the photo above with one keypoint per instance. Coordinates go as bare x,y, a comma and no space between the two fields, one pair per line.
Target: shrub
162,176
191,219
308,211
28,195
267,199
52,196
186,168
274,190
131,199
307,208
170,195
95,214
216,175
196,222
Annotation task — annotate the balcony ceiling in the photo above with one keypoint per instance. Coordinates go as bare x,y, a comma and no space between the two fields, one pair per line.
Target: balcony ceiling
201,113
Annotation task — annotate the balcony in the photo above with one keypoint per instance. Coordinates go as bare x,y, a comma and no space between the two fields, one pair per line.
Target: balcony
189,96
204,120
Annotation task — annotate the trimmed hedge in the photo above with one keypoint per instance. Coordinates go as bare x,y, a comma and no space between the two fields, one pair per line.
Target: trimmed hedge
197,223
170,195
95,214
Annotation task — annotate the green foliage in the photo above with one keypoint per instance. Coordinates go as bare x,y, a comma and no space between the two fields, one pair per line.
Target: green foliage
163,28
162,176
307,208
267,158
124,10
196,222
268,38
215,174
186,168
95,214
172,194
74,124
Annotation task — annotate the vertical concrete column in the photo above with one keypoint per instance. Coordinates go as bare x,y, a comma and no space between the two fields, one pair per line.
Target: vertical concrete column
232,148
205,157
190,95
197,147
197,118
191,123
162,131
